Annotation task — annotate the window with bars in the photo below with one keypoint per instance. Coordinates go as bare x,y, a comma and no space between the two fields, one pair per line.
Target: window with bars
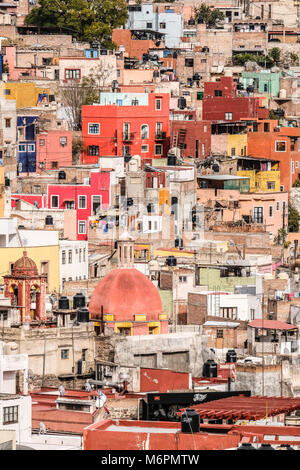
10,414
93,150
219,333
228,312
72,74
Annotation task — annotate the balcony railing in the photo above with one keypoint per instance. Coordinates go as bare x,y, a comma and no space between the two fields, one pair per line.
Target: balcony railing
160,135
128,136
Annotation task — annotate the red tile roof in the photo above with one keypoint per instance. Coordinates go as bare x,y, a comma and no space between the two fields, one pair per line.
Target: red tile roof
242,407
271,324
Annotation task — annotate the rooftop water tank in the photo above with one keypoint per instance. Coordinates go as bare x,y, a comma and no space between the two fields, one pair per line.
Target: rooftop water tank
63,303
190,421
78,300
231,355
83,315
210,368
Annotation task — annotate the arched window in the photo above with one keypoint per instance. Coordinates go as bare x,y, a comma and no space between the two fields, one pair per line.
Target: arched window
144,131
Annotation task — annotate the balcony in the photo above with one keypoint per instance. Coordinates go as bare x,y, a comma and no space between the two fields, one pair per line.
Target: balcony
128,136
160,135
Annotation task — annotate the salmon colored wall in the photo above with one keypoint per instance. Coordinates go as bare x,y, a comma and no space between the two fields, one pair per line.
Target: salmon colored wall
163,380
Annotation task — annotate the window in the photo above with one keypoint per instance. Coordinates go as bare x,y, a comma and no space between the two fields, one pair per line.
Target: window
83,354
83,256
266,127
7,92
82,226
3,315
182,279
219,333
270,211
271,184
126,130
64,354
80,252
281,188
72,74
93,150
134,102
218,93
70,205
297,164
162,25
278,206
96,204
7,122
258,215
158,104
252,313
228,116
63,141
94,128
70,256
118,73
149,26
42,142
228,312
37,189
280,146
54,165
292,167
63,257
82,202
145,148
203,149
144,131
54,202
189,62
232,152
158,149
10,414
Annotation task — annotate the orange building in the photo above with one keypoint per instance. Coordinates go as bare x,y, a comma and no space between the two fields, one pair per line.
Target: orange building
267,139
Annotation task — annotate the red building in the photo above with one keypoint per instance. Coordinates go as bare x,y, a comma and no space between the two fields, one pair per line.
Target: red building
53,150
192,137
222,103
141,127
86,199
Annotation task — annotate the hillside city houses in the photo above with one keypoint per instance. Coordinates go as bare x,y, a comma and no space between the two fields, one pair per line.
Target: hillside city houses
150,225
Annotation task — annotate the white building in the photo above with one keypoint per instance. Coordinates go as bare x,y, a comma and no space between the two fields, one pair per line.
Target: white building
148,17
15,410
73,261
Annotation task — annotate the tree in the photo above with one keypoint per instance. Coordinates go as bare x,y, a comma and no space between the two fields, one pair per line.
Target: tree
275,55
293,219
294,58
208,16
75,94
86,20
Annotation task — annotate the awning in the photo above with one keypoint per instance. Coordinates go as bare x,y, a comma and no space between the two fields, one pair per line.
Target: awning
271,325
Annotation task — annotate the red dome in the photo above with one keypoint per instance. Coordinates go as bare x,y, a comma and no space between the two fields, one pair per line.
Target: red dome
24,267
125,293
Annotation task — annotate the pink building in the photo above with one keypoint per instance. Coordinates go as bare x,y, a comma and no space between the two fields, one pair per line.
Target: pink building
53,150
86,199
268,209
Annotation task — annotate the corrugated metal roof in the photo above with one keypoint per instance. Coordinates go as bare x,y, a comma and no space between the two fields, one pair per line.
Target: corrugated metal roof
228,324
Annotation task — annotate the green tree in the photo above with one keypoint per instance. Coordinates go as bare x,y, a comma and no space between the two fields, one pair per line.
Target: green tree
293,219
294,58
208,16
275,55
86,20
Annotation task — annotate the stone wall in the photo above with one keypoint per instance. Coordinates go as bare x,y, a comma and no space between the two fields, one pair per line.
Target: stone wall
260,380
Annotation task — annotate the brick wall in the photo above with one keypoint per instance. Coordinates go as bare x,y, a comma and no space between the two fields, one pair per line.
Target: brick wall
196,309
166,280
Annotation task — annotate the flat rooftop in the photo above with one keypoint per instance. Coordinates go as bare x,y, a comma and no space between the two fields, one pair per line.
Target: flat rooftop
146,429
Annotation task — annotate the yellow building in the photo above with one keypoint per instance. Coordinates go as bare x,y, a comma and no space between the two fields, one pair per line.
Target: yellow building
45,257
165,252
263,181
25,94
237,144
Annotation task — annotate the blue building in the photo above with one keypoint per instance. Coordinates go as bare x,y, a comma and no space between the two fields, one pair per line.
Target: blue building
27,129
